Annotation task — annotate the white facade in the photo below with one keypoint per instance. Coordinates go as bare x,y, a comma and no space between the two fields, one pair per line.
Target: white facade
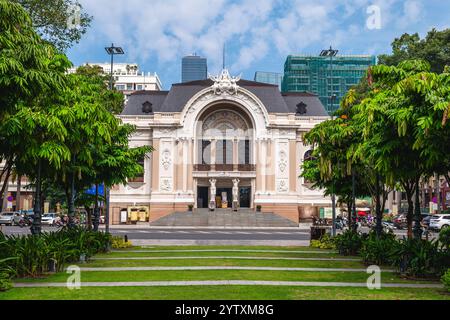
128,78
267,171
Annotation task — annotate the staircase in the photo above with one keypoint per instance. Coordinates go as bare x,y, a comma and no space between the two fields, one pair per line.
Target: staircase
244,218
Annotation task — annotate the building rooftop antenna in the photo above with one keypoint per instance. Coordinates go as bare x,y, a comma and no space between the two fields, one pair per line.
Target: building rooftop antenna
223,57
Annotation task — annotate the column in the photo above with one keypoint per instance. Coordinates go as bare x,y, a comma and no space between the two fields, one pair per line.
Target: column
235,154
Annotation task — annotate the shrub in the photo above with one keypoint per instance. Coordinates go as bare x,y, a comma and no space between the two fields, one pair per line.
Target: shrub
120,243
420,258
32,255
5,282
446,280
378,250
348,243
444,238
325,242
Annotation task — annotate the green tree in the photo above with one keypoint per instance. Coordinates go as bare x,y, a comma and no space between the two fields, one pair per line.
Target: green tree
31,75
434,48
403,120
61,22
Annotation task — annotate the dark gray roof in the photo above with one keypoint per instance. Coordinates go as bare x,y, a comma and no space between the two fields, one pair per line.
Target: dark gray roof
178,96
314,107
136,100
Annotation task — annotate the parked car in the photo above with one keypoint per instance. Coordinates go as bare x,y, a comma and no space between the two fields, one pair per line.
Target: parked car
438,222
50,219
7,218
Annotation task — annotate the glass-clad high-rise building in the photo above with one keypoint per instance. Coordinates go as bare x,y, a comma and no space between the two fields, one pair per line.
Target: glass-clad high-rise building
269,77
194,68
328,77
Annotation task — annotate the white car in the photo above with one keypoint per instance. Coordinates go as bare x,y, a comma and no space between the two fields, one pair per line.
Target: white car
7,218
50,219
439,222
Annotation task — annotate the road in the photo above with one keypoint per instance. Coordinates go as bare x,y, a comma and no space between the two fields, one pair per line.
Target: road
192,236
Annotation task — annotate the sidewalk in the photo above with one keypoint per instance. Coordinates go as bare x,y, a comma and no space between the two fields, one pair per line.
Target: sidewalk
182,242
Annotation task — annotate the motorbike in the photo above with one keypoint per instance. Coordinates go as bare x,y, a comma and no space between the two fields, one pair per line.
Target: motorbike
25,222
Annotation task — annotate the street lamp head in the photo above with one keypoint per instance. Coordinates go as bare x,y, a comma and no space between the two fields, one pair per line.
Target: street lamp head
329,52
114,50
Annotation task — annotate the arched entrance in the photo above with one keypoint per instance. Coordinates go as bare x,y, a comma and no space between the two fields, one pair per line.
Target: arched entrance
224,169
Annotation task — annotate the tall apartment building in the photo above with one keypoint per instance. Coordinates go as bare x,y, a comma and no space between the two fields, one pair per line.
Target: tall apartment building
329,78
194,68
269,77
128,78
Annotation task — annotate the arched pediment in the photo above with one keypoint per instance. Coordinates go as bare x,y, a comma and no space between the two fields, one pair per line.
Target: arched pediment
242,98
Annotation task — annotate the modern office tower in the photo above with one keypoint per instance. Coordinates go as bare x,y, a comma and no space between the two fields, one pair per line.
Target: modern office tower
194,68
328,77
269,77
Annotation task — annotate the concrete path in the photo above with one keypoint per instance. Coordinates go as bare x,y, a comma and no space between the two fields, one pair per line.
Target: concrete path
223,250
186,242
119,269
225,283
224,257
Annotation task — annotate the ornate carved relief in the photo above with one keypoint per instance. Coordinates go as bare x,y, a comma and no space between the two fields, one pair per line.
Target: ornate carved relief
283,185
166,160
224,83
166,185
283,161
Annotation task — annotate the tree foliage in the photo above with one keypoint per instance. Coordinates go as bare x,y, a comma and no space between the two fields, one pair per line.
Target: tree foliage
434,48
61,22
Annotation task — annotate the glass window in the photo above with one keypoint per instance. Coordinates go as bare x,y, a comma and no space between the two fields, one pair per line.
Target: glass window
244,151
224,152
205,152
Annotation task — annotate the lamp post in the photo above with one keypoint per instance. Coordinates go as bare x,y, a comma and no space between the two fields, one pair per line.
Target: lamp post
112,51
331,53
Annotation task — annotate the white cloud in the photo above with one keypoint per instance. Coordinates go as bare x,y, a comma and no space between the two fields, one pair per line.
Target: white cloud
169,29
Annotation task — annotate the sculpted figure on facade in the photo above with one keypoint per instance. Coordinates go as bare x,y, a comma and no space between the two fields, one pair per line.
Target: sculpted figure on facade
224,83
213,190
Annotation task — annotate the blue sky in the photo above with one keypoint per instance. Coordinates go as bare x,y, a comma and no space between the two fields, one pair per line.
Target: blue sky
259,34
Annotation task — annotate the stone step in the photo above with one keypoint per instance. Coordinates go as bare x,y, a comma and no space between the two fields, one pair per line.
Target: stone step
224,217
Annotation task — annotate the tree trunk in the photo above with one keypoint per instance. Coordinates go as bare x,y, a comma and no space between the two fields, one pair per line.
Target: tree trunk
409,216
378,212
349,214
18,194
417,212
438,192
89,217
71,202
37,227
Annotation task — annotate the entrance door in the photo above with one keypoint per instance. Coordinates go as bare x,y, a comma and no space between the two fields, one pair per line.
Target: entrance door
245,194
229,195
202,197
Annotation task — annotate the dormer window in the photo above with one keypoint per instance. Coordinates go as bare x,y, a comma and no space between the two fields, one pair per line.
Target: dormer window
301,109
147,107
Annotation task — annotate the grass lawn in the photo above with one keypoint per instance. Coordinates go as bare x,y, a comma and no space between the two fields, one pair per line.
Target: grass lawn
222,292
225,262
203,275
